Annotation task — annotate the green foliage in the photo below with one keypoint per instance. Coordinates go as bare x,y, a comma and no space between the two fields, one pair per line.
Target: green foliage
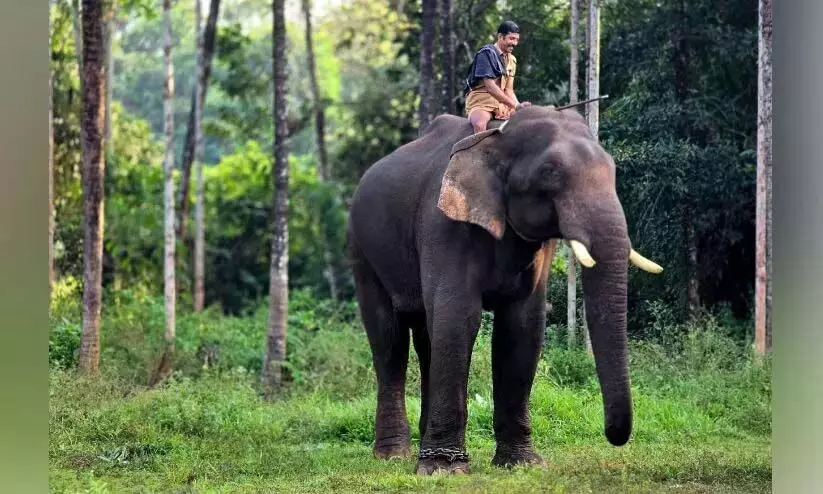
378,85
240,91
682,130
65,323
238,200
327,350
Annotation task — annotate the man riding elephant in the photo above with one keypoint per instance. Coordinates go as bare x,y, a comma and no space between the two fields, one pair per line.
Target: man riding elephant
455,223
489,87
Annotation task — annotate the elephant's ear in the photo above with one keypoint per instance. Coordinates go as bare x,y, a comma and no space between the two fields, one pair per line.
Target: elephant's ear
471,190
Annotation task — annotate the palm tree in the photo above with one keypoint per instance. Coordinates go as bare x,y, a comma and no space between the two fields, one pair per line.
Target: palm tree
94,95
278,273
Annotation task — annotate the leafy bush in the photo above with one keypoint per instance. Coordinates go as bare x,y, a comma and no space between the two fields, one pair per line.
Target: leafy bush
65,320
569,367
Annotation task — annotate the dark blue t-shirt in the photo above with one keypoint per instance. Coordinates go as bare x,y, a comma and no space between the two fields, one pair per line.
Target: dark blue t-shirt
487,64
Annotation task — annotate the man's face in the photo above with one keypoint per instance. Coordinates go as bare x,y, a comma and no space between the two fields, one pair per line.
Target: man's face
508,42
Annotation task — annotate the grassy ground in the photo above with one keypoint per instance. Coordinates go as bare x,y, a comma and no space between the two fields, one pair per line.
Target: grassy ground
702,415
214,434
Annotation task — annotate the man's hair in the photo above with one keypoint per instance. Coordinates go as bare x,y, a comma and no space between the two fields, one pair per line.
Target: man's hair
508,27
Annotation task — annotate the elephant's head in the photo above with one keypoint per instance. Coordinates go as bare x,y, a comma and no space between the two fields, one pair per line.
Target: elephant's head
543,175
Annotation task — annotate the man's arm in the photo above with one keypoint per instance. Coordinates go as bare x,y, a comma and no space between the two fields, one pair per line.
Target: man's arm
510,91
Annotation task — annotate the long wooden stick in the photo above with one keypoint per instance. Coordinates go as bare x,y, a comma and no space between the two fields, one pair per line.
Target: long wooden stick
605,96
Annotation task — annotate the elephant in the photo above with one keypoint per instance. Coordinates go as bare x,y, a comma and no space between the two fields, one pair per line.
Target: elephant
455,223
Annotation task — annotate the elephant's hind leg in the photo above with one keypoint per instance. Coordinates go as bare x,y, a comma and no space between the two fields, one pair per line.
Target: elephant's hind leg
389,341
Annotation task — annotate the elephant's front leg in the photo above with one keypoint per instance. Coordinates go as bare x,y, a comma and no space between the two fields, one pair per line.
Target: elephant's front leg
454,321
516,342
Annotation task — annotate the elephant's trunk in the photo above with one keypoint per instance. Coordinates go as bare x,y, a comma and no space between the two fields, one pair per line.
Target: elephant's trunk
604,289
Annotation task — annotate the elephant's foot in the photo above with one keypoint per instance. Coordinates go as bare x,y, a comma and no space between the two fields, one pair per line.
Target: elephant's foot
508,457
442,461
392,451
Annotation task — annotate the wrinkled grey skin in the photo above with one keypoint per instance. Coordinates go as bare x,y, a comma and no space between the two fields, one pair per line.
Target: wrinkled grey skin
452,224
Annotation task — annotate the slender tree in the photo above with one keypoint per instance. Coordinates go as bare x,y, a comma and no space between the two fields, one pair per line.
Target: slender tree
170,295
681,64
317,101
571,271
209,42
593,91
94,93
593,67
448,59
426,108
278,273
763,279
320,135
199,225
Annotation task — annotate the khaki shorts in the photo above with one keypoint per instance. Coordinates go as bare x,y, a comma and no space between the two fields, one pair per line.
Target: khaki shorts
479,99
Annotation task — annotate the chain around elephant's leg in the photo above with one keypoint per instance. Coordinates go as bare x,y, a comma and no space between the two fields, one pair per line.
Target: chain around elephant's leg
454,325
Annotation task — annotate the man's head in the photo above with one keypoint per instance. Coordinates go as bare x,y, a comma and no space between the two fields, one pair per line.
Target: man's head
508,35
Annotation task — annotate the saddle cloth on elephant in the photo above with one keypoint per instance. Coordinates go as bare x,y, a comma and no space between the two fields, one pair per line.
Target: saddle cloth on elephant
489,63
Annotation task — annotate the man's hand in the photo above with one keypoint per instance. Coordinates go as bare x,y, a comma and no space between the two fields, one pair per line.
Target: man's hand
524,104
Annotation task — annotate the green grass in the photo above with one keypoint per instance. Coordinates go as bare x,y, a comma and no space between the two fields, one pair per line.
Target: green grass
702,413
216,435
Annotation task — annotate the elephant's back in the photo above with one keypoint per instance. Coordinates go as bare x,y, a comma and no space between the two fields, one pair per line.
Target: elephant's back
398,183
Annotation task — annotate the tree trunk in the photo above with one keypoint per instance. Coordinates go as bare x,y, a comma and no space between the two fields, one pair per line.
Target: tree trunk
199,220
682,82
593,91
763,330
165,365
319,112
448,61
94,93
426,108
279,274
209,40
593,66
571,270
693,289
320,134
574,55
681,61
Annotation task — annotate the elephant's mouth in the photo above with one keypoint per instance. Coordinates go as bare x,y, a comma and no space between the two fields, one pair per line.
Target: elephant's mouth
525,237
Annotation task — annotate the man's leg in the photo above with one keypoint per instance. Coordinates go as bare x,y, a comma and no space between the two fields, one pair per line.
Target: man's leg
479,119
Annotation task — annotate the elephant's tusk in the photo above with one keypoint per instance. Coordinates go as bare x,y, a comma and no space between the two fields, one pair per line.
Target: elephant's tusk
643,263
581,253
